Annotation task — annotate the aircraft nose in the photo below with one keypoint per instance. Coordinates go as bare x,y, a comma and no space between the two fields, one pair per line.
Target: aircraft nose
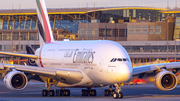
125,72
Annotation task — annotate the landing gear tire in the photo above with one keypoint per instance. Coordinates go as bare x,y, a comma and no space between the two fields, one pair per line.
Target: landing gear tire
120,95
51,93
107,93
115,95
84,92
61,92
57,92
44,93
112,92
66,92
93,93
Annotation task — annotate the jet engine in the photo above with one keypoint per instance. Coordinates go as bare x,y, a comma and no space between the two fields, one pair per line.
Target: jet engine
165,80
15,80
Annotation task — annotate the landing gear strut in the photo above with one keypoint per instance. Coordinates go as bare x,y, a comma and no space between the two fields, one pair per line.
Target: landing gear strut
89,91
59,92
47,91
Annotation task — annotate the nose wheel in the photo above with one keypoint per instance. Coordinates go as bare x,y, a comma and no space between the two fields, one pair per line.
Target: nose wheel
118,95
115,93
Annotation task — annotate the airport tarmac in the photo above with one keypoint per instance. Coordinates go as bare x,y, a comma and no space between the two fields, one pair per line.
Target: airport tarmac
146,92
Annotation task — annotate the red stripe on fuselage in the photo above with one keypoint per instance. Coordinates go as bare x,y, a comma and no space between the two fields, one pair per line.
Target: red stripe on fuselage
40,61
46,28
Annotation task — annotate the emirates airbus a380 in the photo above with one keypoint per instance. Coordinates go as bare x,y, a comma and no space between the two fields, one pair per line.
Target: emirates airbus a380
85,64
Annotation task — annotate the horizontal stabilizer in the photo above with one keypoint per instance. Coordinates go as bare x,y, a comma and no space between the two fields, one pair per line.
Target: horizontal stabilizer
29,50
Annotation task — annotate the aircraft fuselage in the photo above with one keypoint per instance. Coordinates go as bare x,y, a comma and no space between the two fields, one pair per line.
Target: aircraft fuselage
101,62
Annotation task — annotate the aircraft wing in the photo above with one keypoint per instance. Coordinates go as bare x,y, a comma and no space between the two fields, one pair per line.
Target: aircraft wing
19,54
146,68
68,76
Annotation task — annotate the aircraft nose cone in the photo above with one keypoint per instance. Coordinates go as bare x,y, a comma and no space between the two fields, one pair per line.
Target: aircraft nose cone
125,73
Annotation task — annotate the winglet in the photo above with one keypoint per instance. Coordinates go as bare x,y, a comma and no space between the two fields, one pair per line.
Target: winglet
45,31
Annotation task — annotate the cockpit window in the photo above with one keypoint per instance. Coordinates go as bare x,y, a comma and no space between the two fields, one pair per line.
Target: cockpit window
119,59
124,59
112,60
115,59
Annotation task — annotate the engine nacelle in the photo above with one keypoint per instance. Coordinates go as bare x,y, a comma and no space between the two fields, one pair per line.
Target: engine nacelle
165,80
15,80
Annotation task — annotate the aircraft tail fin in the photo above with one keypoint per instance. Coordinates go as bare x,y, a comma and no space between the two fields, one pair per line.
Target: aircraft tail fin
45,31
29,50
31,61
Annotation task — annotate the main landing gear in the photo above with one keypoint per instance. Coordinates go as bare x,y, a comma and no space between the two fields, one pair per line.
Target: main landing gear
88,92
66,92
115,93
59,92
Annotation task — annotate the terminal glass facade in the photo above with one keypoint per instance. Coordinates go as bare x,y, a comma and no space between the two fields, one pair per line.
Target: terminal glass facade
128,14
152,48
23,27
177,28
70,22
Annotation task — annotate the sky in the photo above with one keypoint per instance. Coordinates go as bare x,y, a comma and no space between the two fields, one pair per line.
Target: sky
30,4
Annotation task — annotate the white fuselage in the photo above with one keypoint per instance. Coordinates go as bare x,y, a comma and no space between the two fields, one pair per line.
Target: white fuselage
101,62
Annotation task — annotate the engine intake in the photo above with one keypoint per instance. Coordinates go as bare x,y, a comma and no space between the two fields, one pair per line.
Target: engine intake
165,80
15,80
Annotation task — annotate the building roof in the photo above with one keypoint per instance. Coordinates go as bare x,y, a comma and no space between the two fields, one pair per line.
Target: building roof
71,10
171,11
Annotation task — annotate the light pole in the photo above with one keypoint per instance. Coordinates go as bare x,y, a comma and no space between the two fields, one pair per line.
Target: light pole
167,37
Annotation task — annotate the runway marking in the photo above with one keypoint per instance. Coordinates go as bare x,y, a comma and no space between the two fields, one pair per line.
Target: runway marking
42,87
166,95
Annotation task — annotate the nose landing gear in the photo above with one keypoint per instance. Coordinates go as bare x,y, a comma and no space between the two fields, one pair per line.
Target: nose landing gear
118,93
115,93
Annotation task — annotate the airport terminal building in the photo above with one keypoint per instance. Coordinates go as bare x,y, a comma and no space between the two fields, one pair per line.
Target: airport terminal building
136,28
